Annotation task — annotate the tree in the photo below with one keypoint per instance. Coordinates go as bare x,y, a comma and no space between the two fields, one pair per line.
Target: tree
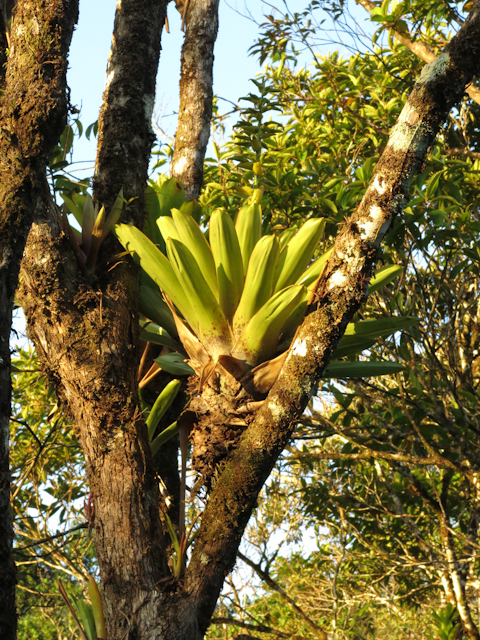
84,320
418,471
34,109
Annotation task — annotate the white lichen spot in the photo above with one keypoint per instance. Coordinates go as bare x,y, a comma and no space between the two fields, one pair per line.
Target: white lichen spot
338,279
380,188
299,348
180,165
369,228
432,70
110,75
204,559
403,133
276,410
111,67
148,104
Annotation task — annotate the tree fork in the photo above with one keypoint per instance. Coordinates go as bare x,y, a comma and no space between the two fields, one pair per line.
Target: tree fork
85,331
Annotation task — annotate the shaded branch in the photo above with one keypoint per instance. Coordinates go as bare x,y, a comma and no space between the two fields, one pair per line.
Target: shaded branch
371,454
265,576
260,628
83,525
457,151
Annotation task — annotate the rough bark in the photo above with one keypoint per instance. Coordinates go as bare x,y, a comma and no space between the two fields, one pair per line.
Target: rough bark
85,331
125,134
341,292
33,114
196,93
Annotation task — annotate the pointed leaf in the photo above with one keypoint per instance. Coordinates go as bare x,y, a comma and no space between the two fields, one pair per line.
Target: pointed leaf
161,405
204,314
383,277
298,253
259,339
359,369
175,364
154,263
163,437
190,234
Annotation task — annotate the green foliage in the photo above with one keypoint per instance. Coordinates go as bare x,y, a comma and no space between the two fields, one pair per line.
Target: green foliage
48,489
390,469
387,466
446,621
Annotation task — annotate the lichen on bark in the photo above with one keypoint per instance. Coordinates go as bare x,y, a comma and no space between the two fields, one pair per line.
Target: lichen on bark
33,113
196,93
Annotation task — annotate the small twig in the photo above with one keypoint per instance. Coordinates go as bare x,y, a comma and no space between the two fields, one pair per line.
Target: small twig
151,373
184,16
276,587
142,360
461,151
84,525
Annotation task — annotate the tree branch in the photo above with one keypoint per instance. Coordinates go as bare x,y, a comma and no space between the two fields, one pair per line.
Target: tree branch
259,628
372,454
83,525
462,152
196,94
341,292
125,133
265,576
418,48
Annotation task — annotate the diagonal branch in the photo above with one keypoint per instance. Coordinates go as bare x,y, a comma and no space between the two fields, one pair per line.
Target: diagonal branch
341,292
265,576
418,48
259,628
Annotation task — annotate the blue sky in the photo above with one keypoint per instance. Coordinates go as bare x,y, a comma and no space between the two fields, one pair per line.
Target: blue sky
233,68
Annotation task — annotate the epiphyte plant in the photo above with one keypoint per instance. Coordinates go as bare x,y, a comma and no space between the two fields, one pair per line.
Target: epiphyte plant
234,298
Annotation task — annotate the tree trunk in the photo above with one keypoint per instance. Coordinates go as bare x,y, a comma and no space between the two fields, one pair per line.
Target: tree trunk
33,115
196,93
85,331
